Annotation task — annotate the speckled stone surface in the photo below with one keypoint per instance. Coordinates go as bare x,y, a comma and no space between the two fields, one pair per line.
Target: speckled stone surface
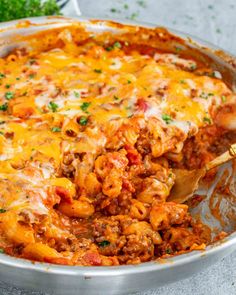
214,21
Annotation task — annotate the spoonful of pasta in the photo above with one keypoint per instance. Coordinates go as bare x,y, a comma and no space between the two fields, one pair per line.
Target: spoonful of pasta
187,181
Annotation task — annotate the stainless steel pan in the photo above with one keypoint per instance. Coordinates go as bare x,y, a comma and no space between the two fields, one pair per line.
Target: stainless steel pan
68,280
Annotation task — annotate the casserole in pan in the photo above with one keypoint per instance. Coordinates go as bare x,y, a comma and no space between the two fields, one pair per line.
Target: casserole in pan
94,117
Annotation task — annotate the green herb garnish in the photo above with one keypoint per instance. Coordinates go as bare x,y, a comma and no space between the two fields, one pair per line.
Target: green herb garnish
32,61
168,251
167,118
4,107
99,71
2,210
56,129
117,44
207,120
178,49
31,76
223,98
7,86
77,94
2,251
116,97
83,121
2,75
9,95
84,106
53,106
193,67
15,9
205,95
109,48
104,243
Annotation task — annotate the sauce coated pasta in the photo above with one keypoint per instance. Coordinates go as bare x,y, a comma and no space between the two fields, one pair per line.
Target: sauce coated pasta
90,131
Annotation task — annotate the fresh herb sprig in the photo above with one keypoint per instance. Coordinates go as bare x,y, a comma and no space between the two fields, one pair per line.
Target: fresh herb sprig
16,9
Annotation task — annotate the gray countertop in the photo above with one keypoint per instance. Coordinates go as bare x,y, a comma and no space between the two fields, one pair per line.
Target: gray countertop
214,21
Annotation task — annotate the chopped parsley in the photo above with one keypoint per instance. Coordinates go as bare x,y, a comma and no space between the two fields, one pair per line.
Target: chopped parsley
178,49
16,9
3,210
56,129
168,251
7,86
117,44
53,106
9,95
84,106
17,78
128,81
113,10
205,95
32,61
31,76
182,81
99,71
109,48
116,97
2,75
4,107
83,121
77,94
223,98
104,243
2,251
207,120
193,67
167,118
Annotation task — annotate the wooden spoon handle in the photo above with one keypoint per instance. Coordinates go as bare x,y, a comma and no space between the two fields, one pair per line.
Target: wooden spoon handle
225,157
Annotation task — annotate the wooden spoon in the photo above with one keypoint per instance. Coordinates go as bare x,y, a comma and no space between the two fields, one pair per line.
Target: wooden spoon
186,181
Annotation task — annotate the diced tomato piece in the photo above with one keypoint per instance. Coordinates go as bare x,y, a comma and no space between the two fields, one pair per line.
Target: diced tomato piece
64,194
133,155
93,258
142,105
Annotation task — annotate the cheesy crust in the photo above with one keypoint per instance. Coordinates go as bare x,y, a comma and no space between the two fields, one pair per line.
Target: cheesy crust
89,134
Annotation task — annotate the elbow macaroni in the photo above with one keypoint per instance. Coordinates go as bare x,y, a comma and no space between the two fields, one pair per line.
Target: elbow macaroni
90,131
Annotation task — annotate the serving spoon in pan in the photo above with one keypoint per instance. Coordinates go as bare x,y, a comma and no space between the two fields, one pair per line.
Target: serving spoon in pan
186,181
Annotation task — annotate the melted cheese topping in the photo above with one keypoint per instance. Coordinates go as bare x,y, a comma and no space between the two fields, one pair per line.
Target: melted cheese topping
74,99
45,91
